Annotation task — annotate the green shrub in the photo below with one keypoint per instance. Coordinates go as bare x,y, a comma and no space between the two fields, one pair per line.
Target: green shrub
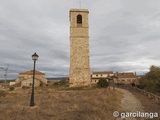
11,88
151,80
63,82
25,87
41,84
140,86
133,84
102,83
56,83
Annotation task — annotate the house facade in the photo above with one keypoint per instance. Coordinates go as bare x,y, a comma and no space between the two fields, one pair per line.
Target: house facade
115,78
97,75
26,78
126,78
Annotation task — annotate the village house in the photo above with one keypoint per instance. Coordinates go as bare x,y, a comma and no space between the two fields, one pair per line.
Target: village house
115,78
126,78
97,75
26,78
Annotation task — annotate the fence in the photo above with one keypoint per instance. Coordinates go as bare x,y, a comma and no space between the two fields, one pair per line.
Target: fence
150,95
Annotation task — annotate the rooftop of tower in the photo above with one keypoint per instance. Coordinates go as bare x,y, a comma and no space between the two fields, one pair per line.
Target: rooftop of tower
78,10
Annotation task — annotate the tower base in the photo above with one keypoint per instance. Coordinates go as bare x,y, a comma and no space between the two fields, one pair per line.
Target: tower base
79,77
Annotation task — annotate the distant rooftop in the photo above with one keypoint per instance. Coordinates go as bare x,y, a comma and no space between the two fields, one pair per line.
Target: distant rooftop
58,78
103,72
30,72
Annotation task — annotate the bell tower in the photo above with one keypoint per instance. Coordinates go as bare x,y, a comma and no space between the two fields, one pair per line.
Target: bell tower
79,48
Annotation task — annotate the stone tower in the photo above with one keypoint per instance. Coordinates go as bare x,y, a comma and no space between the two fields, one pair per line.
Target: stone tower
79,48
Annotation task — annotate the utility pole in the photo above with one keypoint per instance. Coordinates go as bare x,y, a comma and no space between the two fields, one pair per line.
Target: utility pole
5,75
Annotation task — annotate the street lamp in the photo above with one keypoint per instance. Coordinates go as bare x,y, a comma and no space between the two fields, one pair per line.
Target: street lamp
34,58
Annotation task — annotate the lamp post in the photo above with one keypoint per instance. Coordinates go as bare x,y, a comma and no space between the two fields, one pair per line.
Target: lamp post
34,58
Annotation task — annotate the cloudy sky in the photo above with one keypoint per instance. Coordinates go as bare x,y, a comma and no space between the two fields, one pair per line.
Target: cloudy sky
124,35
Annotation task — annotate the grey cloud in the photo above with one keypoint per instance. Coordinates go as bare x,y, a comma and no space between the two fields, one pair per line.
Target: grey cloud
120,28
121,34
151,37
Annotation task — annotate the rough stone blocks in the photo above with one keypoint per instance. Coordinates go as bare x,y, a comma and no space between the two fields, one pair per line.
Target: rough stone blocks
79,49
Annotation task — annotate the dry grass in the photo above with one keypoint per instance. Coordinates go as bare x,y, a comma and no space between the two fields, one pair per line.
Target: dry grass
95,104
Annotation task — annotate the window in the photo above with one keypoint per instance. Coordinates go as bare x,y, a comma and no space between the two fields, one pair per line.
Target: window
79,20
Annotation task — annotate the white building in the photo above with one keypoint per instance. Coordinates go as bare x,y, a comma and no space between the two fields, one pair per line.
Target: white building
97,75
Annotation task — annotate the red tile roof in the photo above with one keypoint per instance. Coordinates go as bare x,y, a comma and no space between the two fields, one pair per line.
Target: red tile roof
30,72
125,75
104,72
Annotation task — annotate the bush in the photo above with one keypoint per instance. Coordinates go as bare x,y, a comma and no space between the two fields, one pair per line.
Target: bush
11,88
133,84
56,83
140,86
41,84
103,83
151,80
63,82
25,87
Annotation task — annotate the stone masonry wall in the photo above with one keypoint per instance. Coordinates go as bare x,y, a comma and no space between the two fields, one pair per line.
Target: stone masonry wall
79,49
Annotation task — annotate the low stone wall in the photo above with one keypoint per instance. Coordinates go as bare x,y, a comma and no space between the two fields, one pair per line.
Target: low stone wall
144,92
150,95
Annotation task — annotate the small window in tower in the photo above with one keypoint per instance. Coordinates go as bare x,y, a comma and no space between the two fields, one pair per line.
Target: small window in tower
79,20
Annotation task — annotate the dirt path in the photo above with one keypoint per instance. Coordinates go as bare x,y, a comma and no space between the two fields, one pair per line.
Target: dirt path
130,103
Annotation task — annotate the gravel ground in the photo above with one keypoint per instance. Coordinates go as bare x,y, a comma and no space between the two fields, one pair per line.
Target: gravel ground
133,101
148,104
